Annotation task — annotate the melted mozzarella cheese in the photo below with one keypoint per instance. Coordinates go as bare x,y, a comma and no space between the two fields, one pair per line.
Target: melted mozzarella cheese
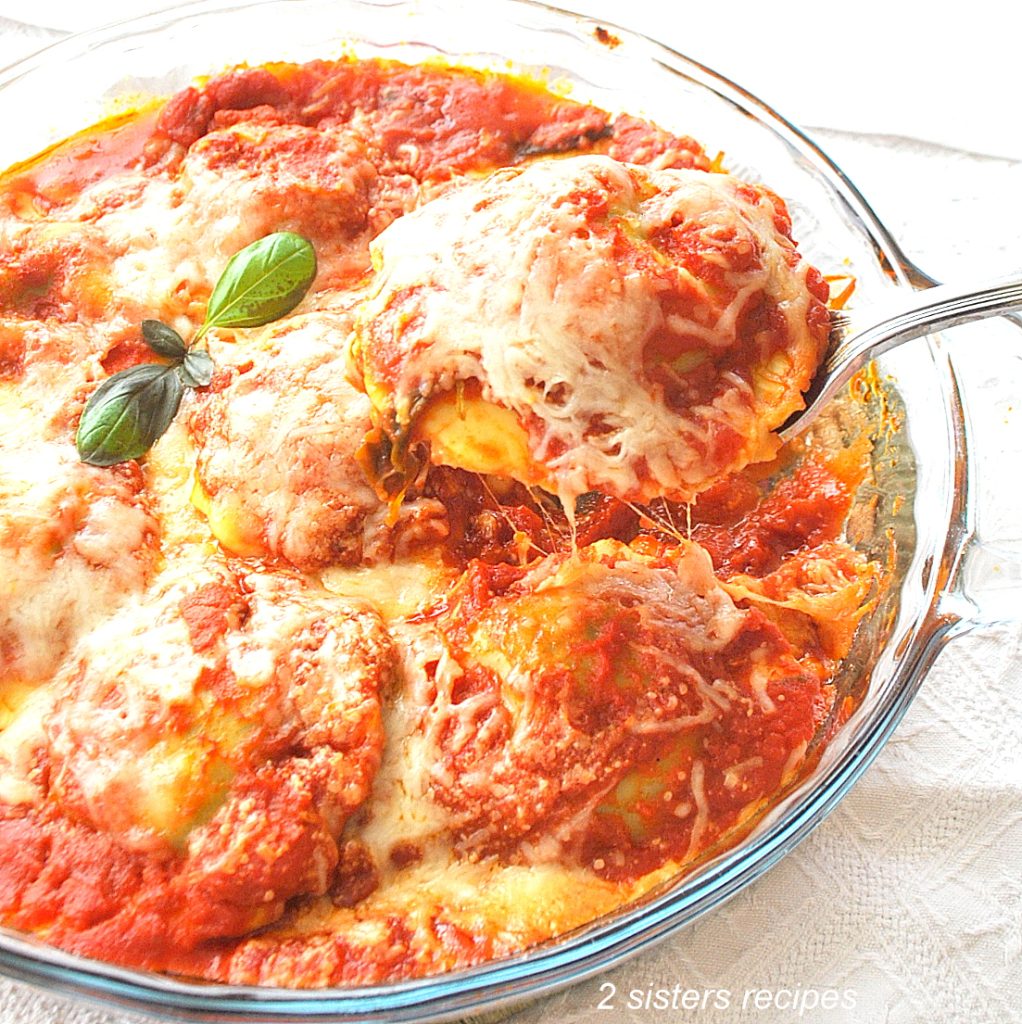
148,732
154,235
76,543
172,236
402,809
397,589
516,283
275,462
22,738
519,728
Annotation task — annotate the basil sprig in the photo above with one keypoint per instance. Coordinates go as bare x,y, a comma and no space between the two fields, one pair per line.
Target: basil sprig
128,413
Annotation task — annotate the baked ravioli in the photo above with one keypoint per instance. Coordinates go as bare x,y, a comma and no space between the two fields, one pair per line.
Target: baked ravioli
468,600
593,326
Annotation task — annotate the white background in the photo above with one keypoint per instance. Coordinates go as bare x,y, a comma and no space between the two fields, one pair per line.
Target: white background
939,71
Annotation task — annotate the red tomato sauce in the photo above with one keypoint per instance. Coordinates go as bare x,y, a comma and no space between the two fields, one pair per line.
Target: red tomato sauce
748,529
432,121
58,175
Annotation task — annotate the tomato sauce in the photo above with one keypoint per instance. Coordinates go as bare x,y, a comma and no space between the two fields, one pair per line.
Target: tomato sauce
432,121
57,176
749,527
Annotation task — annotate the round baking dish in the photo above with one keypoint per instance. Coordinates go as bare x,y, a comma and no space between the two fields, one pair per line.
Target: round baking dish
920,498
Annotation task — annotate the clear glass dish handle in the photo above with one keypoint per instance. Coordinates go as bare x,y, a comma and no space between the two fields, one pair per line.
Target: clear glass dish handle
984,586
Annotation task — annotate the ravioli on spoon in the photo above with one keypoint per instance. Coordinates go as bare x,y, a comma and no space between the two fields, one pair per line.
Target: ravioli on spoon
586,325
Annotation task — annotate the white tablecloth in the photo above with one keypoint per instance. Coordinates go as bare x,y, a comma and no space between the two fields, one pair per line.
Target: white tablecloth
905,906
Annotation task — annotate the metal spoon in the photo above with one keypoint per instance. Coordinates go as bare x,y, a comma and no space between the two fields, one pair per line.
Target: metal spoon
934,309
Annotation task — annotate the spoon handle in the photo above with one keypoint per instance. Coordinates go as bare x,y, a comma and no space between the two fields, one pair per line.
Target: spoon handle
935,309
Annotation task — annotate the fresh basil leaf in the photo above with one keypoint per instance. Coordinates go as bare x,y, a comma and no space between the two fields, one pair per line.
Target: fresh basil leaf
163,340
127,414
262,282
197,369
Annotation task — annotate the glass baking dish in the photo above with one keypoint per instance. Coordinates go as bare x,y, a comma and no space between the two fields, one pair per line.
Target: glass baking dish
920,497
